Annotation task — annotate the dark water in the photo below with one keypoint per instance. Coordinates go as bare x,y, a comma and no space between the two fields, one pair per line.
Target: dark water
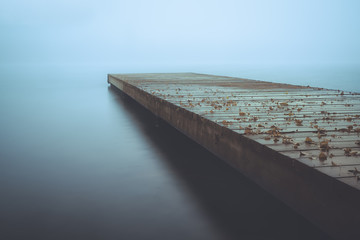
80,161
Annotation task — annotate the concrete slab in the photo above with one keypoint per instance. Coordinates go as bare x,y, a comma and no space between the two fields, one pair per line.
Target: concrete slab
300,143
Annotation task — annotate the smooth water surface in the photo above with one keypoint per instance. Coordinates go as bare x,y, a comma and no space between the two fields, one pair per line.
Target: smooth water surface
78,160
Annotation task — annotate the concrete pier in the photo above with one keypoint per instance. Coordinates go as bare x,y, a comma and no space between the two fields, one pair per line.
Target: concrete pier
299,143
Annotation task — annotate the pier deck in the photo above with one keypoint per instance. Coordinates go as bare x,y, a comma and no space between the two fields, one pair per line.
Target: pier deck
300,143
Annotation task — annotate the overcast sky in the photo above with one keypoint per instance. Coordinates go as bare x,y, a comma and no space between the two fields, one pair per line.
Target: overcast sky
184,31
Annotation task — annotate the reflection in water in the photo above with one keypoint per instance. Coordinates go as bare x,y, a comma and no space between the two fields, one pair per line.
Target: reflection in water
80,161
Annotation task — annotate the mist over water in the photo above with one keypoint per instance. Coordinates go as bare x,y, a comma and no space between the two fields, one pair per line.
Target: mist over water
186,32
305,42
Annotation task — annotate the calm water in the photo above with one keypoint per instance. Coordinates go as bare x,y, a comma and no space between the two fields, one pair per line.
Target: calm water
80,161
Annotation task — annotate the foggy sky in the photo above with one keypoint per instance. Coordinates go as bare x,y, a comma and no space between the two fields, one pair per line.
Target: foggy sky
186,31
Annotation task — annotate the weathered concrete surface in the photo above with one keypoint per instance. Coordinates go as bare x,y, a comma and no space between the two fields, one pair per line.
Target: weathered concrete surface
299,143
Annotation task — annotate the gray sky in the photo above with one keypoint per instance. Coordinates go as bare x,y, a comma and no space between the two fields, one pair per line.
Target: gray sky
186,31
